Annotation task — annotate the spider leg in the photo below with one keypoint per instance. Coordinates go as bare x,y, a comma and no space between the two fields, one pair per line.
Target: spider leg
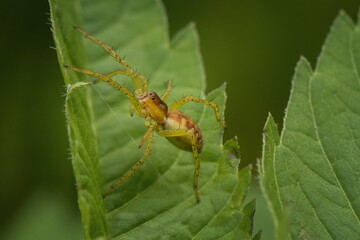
139,80
118,71
167,91
133,100
132,170
148,133
194,147
188,99
110,74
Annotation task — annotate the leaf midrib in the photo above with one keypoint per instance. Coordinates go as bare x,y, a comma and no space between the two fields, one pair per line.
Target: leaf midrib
315,125
326,156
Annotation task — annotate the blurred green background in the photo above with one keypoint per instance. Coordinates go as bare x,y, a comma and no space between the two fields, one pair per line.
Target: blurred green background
252,45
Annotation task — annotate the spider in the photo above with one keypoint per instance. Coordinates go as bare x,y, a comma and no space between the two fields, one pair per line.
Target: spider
167,121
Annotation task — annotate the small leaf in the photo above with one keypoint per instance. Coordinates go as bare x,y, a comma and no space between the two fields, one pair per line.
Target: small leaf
312,173
268,181
157,202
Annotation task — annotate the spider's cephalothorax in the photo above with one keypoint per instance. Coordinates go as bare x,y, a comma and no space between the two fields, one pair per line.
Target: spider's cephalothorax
153,107
167,121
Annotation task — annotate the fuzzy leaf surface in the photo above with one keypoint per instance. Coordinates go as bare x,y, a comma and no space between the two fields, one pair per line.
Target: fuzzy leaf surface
315,166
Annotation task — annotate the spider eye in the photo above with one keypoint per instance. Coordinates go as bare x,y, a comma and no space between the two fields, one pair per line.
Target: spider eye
152,95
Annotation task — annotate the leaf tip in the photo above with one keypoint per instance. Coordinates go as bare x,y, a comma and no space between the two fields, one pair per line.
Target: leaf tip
270,122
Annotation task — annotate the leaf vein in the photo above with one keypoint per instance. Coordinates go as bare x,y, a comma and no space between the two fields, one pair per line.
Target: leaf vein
314,210
325,154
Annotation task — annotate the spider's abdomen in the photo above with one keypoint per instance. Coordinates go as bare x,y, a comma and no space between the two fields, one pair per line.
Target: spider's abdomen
178,120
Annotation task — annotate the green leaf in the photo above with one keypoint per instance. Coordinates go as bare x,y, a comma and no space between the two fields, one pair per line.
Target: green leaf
157,202
268,181
313,172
